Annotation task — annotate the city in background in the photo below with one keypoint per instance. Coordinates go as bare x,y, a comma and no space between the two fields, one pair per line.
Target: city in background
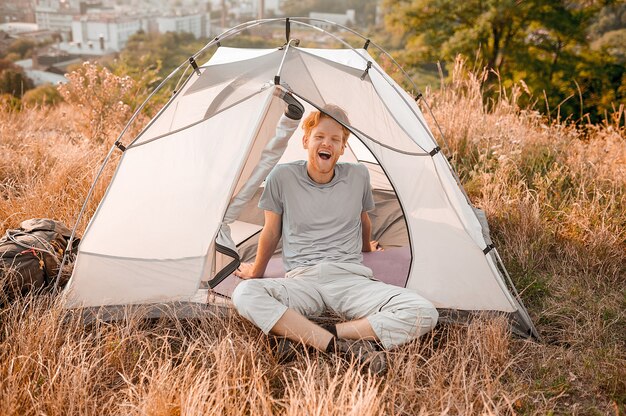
62,33
567,57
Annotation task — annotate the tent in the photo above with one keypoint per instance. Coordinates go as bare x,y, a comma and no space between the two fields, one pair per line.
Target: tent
180,211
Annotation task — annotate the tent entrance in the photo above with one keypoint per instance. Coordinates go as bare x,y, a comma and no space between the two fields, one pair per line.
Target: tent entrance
389,225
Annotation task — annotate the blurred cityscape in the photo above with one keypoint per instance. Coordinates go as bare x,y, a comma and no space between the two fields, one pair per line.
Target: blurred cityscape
72,31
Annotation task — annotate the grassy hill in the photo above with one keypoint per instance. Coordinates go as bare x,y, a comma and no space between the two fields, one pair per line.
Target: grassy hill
555,197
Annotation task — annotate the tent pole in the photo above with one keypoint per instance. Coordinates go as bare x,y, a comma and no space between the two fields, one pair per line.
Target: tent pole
116,144
282,62
247,25
337,38
225,35
297,20
81,213
516,295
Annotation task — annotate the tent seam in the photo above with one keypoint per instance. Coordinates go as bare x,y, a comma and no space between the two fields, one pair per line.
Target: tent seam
195,123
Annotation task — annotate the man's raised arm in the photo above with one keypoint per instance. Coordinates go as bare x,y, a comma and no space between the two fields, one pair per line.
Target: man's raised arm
268,240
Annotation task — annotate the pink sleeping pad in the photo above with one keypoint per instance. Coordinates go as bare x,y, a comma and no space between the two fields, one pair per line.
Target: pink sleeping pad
390,266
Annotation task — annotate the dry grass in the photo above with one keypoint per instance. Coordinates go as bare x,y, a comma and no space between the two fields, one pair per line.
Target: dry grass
555,197
54,365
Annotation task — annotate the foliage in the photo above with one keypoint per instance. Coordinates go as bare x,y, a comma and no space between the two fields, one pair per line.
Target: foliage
22,47
13,80
104,100
9,102
555,197
54,363
610,18
247,40
161,53
149,58
7,64
45,95
613,44
545,44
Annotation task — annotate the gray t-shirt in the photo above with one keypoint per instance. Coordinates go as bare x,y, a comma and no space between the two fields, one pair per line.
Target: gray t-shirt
320,222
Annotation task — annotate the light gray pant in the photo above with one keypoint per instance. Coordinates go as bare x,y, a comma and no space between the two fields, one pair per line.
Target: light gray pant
397,315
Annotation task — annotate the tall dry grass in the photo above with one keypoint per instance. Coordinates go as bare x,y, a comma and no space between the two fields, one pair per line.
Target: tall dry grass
554,193
214,365
555,196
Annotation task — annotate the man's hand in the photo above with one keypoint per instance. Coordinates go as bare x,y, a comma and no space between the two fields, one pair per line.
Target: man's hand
246,271
375,246
268,239
294,109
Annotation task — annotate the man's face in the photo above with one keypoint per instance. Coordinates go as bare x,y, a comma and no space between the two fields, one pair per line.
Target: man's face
324,144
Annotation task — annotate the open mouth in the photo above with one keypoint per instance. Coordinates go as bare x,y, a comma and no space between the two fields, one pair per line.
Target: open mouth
323,155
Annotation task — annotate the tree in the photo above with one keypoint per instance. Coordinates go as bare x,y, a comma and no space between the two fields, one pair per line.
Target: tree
543,42
163,51
22,47
496,29
13,80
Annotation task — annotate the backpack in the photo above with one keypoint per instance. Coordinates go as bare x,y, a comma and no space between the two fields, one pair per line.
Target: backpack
31,255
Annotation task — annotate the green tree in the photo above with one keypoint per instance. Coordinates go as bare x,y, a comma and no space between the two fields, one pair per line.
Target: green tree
543,42
497,29
149,58
163,52
608,32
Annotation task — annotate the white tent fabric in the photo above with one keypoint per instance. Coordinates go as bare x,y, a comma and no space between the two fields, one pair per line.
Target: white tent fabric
156,234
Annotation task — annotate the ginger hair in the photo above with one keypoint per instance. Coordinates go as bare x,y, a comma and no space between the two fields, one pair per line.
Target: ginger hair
330,111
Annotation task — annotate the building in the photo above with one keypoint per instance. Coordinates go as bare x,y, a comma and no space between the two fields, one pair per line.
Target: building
18,28
41,77
346,19
41,74
56,15
17,11
251,9
195,24
104,31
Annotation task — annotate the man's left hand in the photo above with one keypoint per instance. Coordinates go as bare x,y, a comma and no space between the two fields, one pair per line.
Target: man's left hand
245,271
375,246
294,109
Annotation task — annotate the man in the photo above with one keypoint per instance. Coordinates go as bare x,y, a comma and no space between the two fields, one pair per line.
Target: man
319,208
